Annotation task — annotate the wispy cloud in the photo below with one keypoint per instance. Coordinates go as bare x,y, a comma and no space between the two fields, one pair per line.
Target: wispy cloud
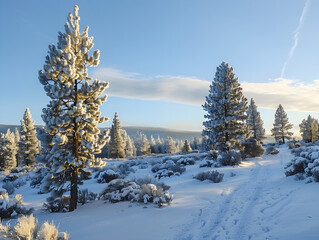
179,89
295,38
292,94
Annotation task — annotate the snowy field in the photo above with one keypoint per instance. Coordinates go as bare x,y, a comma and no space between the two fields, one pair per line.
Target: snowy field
254,201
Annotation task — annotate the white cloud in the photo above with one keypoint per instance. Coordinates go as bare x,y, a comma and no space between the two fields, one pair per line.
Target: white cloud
295,38
180,89
292,94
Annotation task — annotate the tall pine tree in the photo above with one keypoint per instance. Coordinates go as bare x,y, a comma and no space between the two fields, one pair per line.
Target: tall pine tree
254,122
226,109
309,129
117,145
72,115
281,126
8,151
29,143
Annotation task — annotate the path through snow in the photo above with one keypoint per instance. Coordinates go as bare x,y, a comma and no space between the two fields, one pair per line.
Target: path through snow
247,210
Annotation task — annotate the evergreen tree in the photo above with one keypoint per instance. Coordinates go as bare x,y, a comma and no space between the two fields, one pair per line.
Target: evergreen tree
195,143
186,147
145,146
130,150
17,141
154,148
72,115
309,129
169,145
117,144
8,151
226,111
159,145
281,126
254,122
29,142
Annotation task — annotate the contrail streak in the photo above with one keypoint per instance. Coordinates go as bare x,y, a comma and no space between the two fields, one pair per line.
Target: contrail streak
295,38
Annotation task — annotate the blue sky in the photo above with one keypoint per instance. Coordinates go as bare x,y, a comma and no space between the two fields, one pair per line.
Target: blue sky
160,56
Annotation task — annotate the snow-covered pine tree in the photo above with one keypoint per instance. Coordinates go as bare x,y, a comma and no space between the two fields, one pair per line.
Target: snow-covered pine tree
145,146
130,150
159,145
226,111
309,129
281,126
186,147
117,145
29,143
8,151
169,145
195,143
154,148
254,122
17,141
72,115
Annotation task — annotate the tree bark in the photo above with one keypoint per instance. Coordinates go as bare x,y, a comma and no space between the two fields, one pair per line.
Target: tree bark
74,189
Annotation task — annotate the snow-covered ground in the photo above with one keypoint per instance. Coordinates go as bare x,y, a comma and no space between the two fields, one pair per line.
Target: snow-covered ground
254,201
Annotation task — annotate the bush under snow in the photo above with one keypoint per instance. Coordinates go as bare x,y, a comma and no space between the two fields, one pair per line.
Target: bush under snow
124,190
230,158
27,228
306,162
211,175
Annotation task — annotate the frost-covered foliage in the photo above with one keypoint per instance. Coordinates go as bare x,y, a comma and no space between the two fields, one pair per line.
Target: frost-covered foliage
281,126
27,228
272,150
85,196
309,129
111,172
186,148
124,190
72,115
230,158
117,144
211,175
143,146
107,176
58,203
29,143
8,151
253,148
38,176
169,145
255,123
167,169
11,206
226,109
306,162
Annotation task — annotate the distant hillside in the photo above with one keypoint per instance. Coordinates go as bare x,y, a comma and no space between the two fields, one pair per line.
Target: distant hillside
131,131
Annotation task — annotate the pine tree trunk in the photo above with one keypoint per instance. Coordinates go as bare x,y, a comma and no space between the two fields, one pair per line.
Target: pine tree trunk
74,173
74,189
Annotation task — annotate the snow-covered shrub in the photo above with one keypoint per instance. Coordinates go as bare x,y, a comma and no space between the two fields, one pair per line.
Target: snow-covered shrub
253,148
167,169
107,176
59,204
230,158
11,206
11,177
121,190
272,150
315,173
299,176
86,196
27,228
186,161
154,194
207,163
211,175
149,179
306,162
9,187
97,164
124,190
38,176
